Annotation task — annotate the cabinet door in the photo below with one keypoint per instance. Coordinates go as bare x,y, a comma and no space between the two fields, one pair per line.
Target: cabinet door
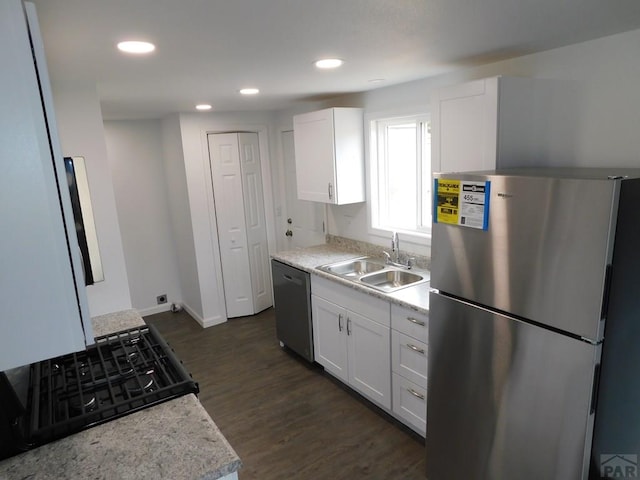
369,359
329,337
313,135
464,122
42,292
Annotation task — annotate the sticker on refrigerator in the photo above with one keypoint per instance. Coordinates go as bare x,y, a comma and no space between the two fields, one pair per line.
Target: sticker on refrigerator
462,203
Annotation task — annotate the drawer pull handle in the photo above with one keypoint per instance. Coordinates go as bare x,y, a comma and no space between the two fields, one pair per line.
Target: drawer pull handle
416,321
416,349
415,394
339,322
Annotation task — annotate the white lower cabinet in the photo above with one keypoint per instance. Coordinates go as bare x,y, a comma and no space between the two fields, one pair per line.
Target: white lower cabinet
409,352
376,348
351,334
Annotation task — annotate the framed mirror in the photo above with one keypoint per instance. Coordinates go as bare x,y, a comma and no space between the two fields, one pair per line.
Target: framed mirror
83,214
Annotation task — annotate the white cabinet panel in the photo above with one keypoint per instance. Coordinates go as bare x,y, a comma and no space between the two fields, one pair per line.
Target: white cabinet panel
349,344
329,155
410,403
409,358
410,322
329,337
41,286
369,366
495,123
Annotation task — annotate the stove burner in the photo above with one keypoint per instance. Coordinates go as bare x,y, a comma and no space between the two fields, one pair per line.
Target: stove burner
80,369
122,373
89,404
143,383
126,355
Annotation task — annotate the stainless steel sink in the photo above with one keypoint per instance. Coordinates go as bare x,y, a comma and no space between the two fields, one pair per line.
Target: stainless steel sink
353,268
390,280
376,274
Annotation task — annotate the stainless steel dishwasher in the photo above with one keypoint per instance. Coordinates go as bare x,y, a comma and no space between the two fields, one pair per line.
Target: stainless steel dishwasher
292,297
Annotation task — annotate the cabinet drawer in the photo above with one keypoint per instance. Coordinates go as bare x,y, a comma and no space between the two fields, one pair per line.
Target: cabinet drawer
410,403
364,304
410,322
409,358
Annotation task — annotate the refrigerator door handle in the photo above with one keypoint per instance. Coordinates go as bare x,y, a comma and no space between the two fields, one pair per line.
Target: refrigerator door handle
605,293
594,390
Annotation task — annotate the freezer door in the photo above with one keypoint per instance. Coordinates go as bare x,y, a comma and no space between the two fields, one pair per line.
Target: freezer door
544,255
505,399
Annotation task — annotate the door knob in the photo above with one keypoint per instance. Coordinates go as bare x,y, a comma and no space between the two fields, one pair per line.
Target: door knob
289,233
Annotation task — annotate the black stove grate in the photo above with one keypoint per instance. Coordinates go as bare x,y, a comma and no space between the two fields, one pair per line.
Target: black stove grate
123,373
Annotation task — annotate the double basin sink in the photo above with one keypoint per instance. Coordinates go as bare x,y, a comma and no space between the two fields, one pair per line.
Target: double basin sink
376,274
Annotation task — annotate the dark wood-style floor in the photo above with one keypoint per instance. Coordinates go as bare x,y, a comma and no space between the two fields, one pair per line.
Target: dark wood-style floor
285,418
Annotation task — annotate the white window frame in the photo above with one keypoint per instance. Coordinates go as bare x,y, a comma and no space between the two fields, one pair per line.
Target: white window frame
418,239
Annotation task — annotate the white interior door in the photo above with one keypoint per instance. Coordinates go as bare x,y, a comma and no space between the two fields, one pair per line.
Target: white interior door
307,218
229,203
255,222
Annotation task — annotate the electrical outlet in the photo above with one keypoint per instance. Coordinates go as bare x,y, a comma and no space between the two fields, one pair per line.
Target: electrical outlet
161,298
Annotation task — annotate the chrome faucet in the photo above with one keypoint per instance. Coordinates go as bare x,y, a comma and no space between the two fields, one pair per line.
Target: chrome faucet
394,257
395,247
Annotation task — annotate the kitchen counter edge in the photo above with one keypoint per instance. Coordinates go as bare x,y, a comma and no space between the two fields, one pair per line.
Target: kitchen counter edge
310,258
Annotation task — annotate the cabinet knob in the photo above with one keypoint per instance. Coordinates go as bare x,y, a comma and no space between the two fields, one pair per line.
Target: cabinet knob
289,221
289,233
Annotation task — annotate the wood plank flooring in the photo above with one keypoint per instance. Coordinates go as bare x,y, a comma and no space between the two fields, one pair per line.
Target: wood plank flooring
285,418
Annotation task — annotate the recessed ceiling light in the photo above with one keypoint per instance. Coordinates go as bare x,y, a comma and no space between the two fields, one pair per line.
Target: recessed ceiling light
249,91
376,80
329,63
203,106
131,46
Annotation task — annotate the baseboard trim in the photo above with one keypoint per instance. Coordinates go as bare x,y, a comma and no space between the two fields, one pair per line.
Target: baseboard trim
204,322
165,307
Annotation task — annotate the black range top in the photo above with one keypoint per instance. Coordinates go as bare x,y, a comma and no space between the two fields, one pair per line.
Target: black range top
122,373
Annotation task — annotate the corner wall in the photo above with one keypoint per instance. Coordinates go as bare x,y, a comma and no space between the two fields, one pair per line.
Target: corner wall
79,121
135,155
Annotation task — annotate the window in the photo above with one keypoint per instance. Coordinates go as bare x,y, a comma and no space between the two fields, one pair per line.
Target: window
400,175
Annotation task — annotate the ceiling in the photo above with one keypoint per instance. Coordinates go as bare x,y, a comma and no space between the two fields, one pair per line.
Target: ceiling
208,49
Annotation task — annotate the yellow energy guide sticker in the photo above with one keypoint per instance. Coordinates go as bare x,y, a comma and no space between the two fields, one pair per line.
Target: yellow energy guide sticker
462,203
448,196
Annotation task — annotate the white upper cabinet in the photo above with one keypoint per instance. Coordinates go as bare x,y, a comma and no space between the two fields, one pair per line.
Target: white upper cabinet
330,156
491,123
45,309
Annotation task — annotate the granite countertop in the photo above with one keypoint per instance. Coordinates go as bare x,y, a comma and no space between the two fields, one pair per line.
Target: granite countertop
176,439
308,259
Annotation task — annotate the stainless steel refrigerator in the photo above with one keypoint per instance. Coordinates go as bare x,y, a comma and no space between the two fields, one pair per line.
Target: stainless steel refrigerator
534,328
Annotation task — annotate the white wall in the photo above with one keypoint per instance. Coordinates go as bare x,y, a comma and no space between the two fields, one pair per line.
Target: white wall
80,127
139,182
601,78
180,213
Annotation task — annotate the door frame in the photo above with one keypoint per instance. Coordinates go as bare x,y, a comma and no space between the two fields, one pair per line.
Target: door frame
281,210
214,127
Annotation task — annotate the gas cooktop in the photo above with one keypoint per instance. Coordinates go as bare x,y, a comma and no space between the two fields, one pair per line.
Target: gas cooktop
124,372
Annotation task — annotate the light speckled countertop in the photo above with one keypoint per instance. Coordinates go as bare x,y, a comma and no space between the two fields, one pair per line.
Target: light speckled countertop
176,439
308,259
